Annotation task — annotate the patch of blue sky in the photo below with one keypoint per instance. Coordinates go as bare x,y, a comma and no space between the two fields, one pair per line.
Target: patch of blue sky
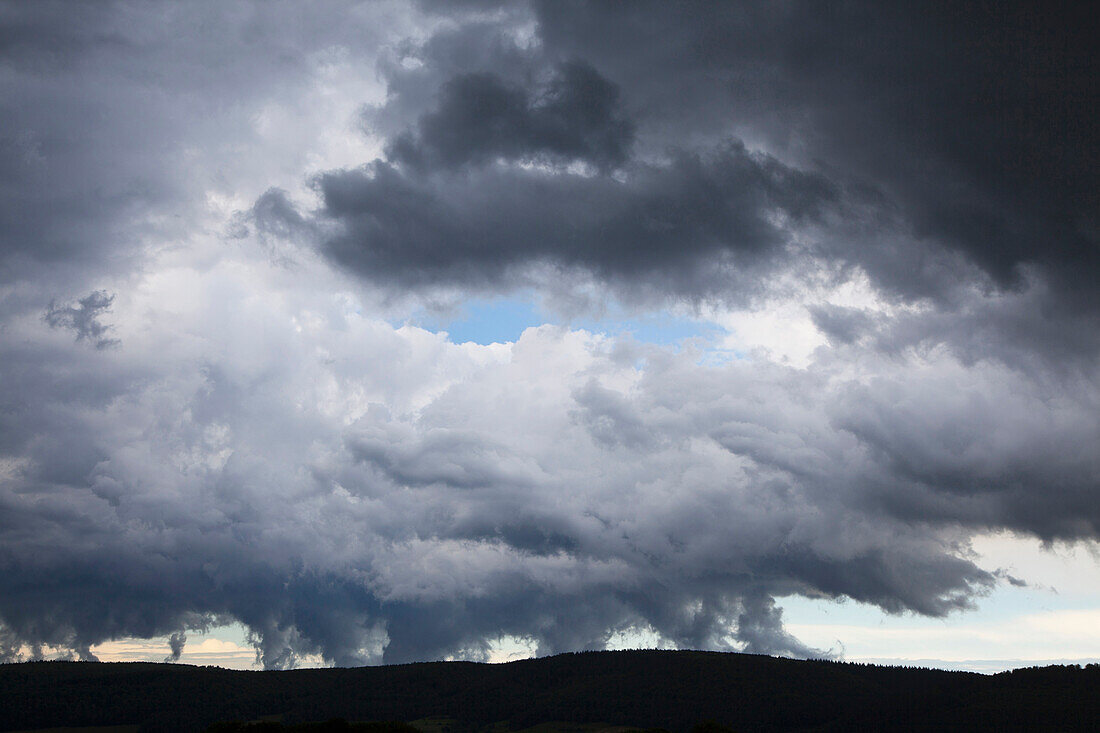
498,320
482,321
501,320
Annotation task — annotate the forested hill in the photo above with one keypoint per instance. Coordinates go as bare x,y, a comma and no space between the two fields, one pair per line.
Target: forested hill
674,690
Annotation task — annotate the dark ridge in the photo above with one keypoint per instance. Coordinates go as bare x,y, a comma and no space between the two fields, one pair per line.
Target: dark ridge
674,690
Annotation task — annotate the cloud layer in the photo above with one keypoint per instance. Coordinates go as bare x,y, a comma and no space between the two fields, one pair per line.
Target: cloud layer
209,410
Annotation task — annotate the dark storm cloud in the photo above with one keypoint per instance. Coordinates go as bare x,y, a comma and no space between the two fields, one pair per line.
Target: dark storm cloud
948,153
479,191
976,120
684,227
263,450
573,117
950,150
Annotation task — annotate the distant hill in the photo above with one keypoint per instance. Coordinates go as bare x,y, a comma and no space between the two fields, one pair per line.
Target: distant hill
674,690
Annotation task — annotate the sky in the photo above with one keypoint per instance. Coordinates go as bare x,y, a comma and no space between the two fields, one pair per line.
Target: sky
357,333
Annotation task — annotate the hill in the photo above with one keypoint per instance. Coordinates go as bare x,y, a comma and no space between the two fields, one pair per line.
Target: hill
674,690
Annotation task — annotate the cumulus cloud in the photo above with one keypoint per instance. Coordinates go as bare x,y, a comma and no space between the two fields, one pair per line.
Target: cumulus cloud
384,494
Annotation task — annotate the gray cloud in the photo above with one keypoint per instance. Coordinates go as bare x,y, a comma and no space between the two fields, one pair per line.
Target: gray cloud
458,201
119,122
841,325
910,161
175,645
493,511
760,627
83,317
268,448
688,227
573,117
965,120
